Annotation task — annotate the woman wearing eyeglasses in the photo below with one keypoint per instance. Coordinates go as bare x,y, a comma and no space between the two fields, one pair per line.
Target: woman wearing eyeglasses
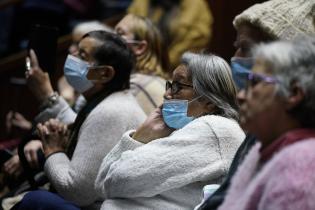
183,145
279,108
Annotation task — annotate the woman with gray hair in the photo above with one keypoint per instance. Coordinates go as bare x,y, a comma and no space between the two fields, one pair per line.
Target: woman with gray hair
185,144
279,108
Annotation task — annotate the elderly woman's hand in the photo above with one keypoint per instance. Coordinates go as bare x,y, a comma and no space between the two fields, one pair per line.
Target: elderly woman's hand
37,80
54,136
153,128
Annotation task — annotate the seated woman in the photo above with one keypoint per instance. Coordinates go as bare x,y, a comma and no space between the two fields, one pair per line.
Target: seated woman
279,108
147,81
187,143
101,72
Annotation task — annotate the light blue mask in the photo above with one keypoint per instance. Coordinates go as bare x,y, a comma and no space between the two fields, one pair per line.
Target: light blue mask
175,113
241,67
75,71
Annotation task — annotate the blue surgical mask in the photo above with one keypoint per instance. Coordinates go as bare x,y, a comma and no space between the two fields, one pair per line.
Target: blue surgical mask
175,113
241,67
75,71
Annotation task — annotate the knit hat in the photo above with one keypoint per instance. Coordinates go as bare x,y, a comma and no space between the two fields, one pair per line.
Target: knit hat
281,19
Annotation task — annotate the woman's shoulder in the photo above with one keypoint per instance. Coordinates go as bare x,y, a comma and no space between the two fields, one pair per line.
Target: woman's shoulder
121,102
297,153
295,165
216,125
216,121
297,159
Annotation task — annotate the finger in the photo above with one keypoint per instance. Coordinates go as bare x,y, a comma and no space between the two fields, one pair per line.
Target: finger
38,125
65,129
28,157
61,127
27,74
158,111
18,116
40,130
13,169
34,159
46,131
16,122
34,60
28,66
8,166
9,115
54,125
43,131
47,123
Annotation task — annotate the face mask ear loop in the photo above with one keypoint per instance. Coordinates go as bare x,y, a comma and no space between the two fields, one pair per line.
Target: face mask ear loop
195,99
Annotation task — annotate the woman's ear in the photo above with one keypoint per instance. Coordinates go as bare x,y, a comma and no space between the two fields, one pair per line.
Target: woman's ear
140,47
210,107
101,74
297,95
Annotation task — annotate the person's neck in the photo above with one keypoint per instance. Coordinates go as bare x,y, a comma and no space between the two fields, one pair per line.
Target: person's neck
92,92
283,127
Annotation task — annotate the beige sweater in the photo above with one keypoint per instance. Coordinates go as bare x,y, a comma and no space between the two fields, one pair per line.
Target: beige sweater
168,173
148,90
74,179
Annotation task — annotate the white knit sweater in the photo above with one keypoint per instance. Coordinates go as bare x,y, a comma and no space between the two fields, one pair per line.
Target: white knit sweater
74,179
168,173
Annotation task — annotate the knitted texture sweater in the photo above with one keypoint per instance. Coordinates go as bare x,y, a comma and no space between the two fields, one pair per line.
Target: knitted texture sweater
148,90
285,182
168,173
74,179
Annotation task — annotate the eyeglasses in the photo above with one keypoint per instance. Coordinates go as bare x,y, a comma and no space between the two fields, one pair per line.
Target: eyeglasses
254,79
175,86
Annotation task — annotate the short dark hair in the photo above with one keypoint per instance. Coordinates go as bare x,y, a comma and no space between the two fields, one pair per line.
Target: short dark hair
113,51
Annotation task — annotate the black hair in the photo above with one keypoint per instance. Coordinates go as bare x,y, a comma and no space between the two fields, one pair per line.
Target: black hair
113,51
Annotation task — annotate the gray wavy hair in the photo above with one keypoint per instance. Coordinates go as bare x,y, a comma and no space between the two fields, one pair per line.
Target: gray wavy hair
293,63
212,78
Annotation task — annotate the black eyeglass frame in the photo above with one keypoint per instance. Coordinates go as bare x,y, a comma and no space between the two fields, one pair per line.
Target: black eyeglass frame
175,86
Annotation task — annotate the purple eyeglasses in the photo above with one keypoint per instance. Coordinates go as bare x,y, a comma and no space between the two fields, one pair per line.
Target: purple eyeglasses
254,79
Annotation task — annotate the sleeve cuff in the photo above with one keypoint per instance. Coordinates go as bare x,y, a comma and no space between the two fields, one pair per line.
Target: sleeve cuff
51,154
128,143
51,112
54,158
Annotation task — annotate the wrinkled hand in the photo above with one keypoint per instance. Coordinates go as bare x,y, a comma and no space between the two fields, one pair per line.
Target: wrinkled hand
54,136
15,119
30,151
153,128
13,166
37,80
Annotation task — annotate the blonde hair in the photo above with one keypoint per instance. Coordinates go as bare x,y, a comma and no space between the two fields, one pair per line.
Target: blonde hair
154,60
